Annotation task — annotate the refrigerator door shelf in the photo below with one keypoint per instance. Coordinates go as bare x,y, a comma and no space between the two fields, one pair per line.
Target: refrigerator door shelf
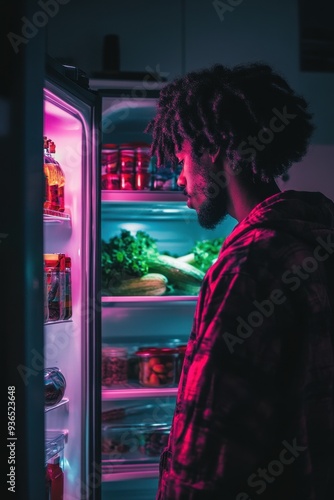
63,402
51,217
54,443
137,393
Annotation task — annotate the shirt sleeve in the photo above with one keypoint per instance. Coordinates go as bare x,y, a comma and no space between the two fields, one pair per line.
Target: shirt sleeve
227,418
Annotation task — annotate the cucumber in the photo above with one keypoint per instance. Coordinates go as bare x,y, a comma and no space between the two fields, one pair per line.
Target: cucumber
149,284
182,276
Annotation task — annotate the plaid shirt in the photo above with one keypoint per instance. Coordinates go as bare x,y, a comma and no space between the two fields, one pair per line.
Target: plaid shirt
254,415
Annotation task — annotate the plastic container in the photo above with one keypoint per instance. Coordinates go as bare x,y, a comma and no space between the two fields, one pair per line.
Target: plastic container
135,442
114,366
157,366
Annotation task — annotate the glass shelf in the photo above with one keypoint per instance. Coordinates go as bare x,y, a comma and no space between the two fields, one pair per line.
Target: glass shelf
111,472
109,301
142,196
139,392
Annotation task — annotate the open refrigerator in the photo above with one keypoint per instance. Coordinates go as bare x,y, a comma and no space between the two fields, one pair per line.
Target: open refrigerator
142,329
71,323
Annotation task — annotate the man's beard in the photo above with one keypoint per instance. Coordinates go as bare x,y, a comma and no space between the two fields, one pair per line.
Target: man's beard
214,209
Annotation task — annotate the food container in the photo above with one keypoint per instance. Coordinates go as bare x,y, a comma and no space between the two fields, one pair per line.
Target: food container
127,166
135,441
142,167
54,386
181,352
157,366
114,366
110,178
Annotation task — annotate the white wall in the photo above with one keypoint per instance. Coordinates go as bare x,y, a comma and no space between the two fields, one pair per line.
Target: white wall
176,36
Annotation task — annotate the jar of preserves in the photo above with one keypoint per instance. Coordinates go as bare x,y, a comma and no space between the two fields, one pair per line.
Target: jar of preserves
127,166
110,178
180,359
157,366
54,268
142,167
114,366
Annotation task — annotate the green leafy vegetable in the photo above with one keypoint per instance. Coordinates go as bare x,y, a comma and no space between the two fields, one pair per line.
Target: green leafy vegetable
126,256
206,252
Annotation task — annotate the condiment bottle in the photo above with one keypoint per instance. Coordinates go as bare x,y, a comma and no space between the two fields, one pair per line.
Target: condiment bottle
56,475
68,288
60,178
52,180
55,275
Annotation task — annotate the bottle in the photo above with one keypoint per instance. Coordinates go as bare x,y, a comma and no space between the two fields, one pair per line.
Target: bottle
60,178
52,180
68,288
54,386
47,201
56,475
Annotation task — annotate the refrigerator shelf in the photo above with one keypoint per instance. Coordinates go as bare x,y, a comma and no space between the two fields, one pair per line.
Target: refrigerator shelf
129,471
63,402
131,392
54,443
109,300
142,196
51,216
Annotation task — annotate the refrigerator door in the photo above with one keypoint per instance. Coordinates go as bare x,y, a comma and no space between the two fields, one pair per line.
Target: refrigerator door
71,342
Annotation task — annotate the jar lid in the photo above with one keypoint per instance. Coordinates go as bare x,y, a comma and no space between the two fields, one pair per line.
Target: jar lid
156,351
109,146
114,351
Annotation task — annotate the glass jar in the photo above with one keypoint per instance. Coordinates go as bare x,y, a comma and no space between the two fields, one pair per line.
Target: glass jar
142,167
180,359
110,178
54,268
54,386
114,366
157,366
127,166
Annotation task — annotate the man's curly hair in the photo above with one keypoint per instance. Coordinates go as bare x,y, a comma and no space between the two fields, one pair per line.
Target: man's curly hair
223,107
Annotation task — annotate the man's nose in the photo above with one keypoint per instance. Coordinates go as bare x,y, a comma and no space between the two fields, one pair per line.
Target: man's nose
181,180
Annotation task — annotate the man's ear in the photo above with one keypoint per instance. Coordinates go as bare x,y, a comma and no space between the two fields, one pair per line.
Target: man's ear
214,155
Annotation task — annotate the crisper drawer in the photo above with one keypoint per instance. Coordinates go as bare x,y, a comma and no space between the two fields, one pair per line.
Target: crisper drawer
133,434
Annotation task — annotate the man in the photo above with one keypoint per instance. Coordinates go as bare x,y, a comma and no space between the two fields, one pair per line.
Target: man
254,416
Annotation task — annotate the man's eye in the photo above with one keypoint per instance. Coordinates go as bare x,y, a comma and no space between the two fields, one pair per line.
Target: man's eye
180,163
